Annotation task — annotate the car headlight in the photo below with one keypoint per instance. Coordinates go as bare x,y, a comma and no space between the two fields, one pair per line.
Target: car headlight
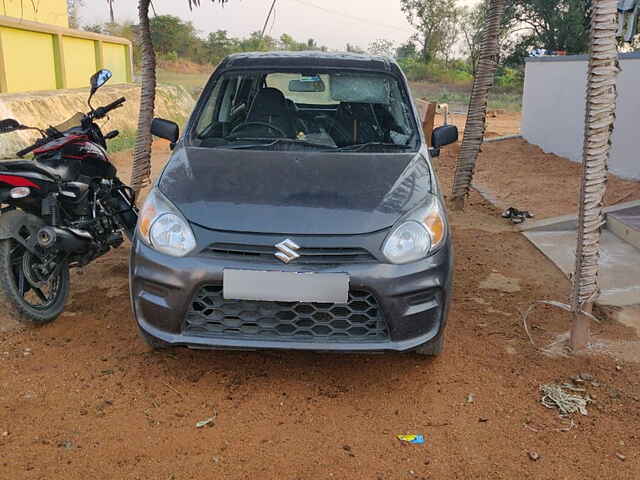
163,228
420,234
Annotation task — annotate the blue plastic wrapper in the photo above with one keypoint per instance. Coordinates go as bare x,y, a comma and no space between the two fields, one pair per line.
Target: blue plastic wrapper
417,439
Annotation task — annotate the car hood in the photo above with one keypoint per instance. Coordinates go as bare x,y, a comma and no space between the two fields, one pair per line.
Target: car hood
294,192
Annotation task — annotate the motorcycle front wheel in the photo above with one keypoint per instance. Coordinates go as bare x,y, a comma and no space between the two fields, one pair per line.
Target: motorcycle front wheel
35,295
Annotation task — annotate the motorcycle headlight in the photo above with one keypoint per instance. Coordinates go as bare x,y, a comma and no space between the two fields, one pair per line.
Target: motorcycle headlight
163,228
420,234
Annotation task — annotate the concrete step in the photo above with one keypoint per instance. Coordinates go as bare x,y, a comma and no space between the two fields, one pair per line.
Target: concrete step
626,225
568,222
619,276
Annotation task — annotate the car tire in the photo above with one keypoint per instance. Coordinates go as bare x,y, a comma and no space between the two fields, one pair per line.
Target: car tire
153,342
433,348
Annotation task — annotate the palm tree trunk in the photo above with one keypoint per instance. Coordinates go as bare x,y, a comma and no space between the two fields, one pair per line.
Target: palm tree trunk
599,120
141,171
111,15
476,116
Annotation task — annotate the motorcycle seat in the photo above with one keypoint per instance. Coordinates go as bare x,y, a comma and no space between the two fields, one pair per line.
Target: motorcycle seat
59,171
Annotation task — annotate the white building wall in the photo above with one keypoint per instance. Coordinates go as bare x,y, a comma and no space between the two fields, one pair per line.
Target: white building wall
554,109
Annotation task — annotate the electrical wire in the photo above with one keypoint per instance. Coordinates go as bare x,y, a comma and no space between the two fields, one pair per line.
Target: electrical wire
352,17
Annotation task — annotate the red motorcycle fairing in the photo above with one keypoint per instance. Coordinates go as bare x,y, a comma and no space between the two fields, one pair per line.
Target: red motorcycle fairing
59,143
23,173
78,155
87,159
41,179
18,181
40,184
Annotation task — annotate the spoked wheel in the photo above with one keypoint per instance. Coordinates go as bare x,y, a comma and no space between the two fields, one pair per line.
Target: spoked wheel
36,292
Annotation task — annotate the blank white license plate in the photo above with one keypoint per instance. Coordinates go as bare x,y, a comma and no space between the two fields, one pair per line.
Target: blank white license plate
285,286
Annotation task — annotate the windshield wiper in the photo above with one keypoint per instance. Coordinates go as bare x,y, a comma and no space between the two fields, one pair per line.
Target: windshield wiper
362,146
275,141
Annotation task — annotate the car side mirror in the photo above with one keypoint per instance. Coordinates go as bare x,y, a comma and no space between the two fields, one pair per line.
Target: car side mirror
10,125
444,135
165,129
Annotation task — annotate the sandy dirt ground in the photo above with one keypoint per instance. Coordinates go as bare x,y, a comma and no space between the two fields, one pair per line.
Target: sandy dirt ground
499,123
519,174
84,397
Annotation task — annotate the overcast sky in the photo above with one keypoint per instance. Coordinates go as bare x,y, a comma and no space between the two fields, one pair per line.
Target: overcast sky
331,22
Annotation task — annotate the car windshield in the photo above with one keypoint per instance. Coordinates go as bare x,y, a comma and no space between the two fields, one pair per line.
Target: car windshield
333,111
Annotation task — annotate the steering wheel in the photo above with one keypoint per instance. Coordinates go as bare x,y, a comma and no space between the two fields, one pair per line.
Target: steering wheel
244,125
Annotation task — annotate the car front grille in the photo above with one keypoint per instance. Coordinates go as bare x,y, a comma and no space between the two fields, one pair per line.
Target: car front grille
213,316
266,253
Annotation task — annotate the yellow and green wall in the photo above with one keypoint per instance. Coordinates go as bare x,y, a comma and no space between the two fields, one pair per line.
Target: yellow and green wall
51,12
39,52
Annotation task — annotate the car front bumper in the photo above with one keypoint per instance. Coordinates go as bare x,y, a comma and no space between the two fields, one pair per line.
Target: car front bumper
413,298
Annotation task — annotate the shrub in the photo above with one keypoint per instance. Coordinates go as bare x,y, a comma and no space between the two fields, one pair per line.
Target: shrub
435,71
511,79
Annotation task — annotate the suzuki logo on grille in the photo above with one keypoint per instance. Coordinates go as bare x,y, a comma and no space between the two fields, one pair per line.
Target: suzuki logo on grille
287,251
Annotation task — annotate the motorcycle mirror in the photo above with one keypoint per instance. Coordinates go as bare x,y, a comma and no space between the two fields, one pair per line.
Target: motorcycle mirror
10,125
99,78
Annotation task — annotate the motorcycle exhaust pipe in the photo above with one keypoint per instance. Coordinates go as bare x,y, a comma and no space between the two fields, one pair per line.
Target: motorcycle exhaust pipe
63,239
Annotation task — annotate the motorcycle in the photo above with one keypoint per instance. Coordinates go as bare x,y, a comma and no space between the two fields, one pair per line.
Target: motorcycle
62,209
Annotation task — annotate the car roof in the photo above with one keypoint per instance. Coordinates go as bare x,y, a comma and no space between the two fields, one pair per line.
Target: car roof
309,59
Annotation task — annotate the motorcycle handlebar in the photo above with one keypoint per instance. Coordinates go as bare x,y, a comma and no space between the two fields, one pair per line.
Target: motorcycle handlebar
102,111
98,113
30,149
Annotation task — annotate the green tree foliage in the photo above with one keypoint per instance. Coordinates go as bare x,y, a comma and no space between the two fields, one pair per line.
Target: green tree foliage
407,50
550,24
450,32
171,35
97,28
436,71
219,44
175,39
472,21
123,29
255,42
434,21
288,43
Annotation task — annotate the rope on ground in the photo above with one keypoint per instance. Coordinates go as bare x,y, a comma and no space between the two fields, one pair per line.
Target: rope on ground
554,396
553,303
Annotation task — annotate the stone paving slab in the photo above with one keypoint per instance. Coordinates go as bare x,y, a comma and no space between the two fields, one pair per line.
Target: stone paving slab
619,263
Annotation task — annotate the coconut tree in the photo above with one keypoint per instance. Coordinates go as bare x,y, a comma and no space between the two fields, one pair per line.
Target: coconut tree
599,119
476,117
141,171
112,16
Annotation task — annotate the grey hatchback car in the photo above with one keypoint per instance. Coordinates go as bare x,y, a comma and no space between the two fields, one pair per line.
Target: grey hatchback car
299,210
